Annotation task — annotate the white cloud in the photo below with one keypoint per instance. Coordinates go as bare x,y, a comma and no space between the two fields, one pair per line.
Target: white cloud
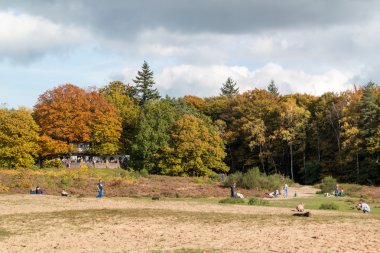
297,81
205,81
25,37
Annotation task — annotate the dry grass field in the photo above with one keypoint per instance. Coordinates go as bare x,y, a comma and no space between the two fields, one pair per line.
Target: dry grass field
42,223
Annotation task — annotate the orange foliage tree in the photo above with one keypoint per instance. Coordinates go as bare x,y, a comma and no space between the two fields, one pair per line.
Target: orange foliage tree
70,114
63,113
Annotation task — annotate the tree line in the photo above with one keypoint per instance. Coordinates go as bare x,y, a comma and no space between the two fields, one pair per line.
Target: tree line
301,136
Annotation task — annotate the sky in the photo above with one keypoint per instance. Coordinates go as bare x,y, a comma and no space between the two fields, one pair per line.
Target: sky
193,46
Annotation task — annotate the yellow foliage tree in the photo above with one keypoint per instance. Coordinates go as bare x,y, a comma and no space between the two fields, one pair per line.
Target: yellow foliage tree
18,138
196,149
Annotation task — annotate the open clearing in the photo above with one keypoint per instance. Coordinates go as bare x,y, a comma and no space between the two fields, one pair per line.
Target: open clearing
36,223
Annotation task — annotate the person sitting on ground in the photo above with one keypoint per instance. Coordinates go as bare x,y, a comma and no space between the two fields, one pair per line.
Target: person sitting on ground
276,193
269,194
338,191
38,190
363,207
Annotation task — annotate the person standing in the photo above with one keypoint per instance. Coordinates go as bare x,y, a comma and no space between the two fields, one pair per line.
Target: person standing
100,189
285,190
233,190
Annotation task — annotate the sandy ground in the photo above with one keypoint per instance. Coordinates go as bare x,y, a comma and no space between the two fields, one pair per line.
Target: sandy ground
30,223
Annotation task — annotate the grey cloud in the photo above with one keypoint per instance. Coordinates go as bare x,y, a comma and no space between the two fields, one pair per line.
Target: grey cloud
122,19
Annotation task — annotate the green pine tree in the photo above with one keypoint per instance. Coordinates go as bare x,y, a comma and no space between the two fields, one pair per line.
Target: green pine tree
229,88
144,84
272,88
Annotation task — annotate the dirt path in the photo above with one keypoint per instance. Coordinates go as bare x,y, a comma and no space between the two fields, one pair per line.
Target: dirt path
302,192
32,223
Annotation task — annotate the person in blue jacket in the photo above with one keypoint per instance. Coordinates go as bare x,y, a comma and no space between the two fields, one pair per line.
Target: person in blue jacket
100,189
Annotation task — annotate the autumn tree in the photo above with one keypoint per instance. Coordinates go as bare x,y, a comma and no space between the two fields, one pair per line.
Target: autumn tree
121,96
18,138
350,135
105,125
254,130
50,147
195,149
255,114
194,101
229,88
293,129
369,122
144,84
63,113
329,115
72,115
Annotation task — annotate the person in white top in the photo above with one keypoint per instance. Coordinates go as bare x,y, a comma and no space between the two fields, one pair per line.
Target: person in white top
364,207
285,190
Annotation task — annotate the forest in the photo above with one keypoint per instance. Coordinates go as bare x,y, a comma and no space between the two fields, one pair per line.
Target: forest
301,136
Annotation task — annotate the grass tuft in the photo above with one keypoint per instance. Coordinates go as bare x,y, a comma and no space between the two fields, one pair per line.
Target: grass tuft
329,206
232,201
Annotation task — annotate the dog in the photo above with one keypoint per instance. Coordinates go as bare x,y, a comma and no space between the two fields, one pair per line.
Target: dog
239,195
300,207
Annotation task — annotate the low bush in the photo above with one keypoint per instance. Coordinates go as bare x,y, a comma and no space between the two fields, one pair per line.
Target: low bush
144,173
352,190
328,184
329,206
55,163
253,178
3,188
204,180
258,202
232,201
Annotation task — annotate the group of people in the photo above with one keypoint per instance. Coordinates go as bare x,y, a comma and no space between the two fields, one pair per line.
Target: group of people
99,185
338,191
276,192
38,190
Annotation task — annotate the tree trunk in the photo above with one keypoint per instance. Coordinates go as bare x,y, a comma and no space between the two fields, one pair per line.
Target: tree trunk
304,165
318,147
274,164
262,160
230,153
357,168
291,161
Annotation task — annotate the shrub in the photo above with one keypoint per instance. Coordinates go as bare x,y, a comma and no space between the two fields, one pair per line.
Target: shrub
232,201
203,180
328,184
54,163
144,173
258,202
3,188
250,179
24,183
253,178
236,177
352,190
329,206
66,181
